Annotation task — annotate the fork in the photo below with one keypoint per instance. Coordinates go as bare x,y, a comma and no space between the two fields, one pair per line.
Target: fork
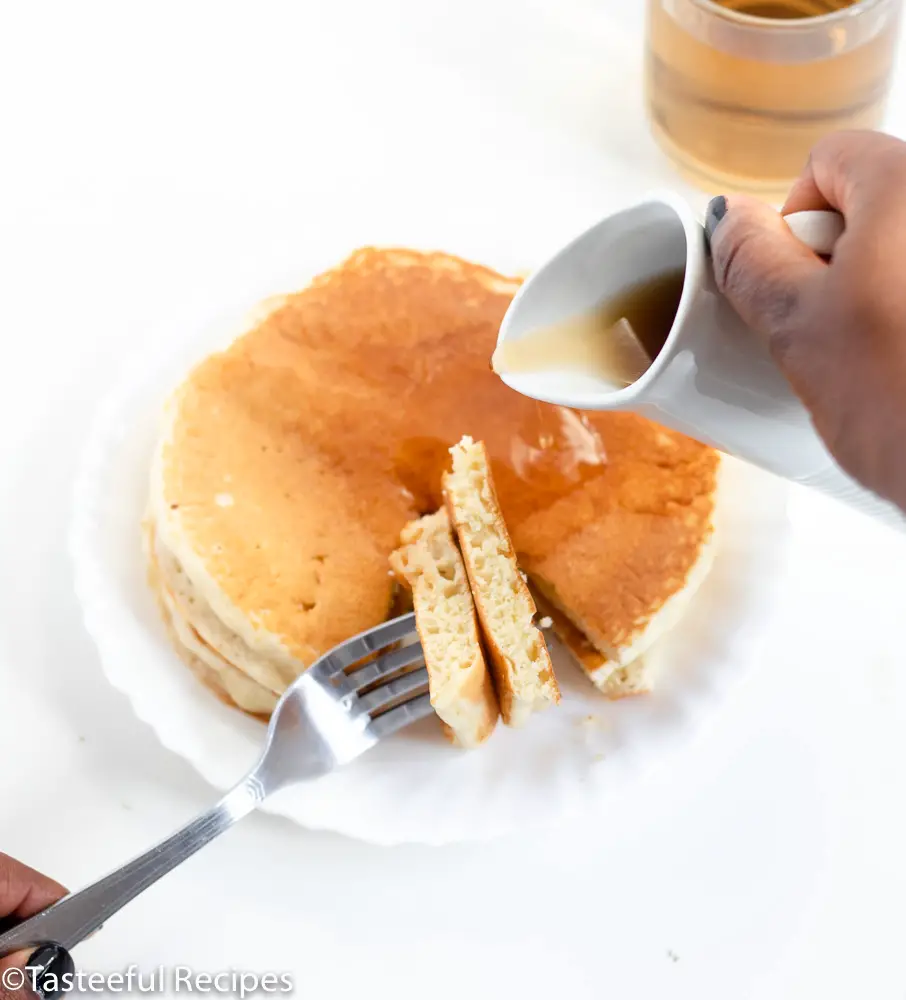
339,708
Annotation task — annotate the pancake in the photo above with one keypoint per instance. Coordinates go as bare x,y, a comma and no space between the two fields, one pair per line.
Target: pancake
289,463
461,690
230,684
523,673
226,681
197,615
673,545
611,679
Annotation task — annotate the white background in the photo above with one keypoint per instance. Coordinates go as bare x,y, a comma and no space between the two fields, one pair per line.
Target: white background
151,154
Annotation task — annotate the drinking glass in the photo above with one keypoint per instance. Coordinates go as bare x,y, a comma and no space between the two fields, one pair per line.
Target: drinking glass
738,91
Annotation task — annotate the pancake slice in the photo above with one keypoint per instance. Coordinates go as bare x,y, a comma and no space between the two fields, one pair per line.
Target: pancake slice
523,674
462,694
610,678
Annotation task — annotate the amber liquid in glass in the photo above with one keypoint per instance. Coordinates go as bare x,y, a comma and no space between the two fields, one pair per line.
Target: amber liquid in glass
738,104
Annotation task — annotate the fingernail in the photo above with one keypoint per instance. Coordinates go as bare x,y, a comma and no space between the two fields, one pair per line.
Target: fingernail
47,970
717,209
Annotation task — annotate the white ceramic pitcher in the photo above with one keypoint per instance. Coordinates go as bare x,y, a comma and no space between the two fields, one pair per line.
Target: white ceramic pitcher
714,378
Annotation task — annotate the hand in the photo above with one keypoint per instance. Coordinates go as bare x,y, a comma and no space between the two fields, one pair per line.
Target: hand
838,329
23,892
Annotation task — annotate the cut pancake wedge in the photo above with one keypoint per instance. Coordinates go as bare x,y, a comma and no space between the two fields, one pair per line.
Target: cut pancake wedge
523,674
462,693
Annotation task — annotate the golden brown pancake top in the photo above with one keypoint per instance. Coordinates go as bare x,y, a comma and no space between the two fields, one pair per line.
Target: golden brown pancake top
299,453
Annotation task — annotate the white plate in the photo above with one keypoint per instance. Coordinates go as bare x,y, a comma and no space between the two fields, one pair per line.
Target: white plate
416,787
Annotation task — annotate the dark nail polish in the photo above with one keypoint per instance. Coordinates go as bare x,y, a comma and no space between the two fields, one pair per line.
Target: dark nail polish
717,209
47,970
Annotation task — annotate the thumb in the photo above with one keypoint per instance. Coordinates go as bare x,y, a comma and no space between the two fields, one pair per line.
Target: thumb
766,273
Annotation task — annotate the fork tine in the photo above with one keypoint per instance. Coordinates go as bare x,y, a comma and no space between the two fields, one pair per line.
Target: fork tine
384,666
362,645
388,693
394,720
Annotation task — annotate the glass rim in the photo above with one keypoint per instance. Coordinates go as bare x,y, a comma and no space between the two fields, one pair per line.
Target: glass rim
793,23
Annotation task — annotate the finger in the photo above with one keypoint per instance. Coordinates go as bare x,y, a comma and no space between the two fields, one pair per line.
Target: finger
23,891
17,960
50,957
16,985
45,974
49,968
805,195
841,171
765,272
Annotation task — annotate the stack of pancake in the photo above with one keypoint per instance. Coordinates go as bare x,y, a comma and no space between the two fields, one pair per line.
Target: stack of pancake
290,463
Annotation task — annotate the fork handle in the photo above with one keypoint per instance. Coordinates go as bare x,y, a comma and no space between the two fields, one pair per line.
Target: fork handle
73,918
